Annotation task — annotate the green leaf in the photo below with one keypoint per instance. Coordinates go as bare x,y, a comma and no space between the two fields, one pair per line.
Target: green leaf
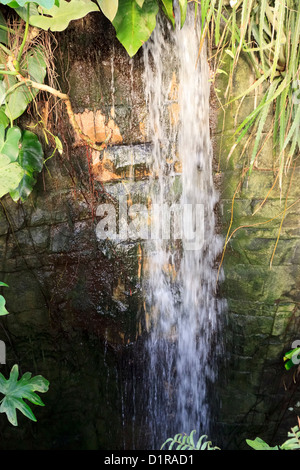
58,18
259,444
21,3
16,391
109,8
9,145
13,4
134,25
11,172
140,3
291,353
291,358
10,177
18,100
31,160
3,310
183,10
168,9
230,53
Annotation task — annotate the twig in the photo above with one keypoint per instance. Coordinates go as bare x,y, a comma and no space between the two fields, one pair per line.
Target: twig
65,98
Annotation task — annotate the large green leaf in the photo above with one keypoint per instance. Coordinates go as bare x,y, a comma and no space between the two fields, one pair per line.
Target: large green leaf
134,25
11,172
18,100
58,18
31,160
10,177
109,8
21,3
16,391
9,142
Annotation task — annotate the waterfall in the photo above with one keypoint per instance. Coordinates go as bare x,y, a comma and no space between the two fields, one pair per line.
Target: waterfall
181,309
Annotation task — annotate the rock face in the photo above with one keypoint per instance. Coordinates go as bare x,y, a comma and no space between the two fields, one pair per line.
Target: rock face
76,302
261,283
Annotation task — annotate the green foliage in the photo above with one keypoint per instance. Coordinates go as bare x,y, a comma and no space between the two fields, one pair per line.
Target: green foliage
11,173
10,177
168,10
293,443
16,391
268,32
3,310
291,358
15,96
109,8
259,444
21,157
183,11
58,17
22,3
134,24
183,441
31,160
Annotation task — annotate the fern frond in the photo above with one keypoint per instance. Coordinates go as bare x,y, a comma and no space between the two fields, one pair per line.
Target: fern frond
186,442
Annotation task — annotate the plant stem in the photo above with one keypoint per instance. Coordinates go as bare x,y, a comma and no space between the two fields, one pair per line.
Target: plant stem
8,72
24,40
66,99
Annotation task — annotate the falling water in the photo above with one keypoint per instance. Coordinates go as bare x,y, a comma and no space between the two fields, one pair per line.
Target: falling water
181,306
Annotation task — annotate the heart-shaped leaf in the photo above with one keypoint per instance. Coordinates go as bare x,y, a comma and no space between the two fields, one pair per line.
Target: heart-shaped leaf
16,391
134,25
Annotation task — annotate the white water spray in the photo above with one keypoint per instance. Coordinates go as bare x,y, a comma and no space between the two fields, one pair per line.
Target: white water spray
181,307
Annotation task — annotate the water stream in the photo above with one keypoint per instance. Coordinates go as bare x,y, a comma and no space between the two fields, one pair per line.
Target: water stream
182,310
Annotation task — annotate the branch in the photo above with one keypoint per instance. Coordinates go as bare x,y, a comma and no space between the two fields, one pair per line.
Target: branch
42,87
